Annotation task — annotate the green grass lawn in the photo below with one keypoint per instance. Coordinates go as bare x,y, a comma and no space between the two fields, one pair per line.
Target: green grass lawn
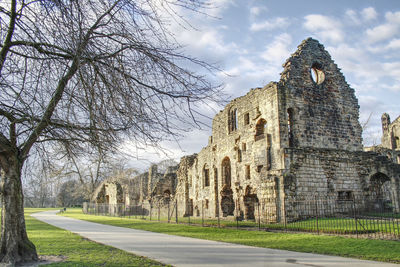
50,240
380,250
377,224
325,225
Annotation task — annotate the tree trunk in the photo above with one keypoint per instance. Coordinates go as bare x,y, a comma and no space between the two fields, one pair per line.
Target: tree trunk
15,246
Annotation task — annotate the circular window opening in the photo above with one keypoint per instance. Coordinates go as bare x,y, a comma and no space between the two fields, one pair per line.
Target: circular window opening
317,75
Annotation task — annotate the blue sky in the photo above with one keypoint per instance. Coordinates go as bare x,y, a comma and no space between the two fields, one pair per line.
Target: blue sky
250,40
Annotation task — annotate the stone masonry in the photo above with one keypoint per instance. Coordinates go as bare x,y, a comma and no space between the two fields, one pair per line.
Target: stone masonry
291,140
125,188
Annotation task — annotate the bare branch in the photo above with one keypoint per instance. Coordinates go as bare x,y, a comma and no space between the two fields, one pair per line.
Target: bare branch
7,42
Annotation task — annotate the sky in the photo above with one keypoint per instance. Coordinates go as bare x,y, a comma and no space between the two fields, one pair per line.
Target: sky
250,40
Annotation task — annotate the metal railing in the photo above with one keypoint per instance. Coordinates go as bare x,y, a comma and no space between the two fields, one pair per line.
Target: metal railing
350,217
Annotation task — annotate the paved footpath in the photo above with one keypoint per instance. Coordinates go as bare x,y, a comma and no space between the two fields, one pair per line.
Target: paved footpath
185,251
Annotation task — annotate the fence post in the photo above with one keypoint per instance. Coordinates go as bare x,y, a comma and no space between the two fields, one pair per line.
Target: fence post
237,215
202,212
188,209
355,215
168,211
176,210
258,211
219,224
158,211
137,210
316,212
285,214
151,208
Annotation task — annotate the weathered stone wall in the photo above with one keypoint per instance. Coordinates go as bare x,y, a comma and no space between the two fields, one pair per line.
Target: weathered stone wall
137,189
391,138
325,172
134,190
229,173
290,140
325,111
109,192
293,140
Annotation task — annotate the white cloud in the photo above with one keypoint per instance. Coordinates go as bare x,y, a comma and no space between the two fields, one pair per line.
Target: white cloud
206,44
218,6
393,87
325,27
267,25
257,10
385,31
394,44
381,32
392,70
393,17
352,16
277,52
369,13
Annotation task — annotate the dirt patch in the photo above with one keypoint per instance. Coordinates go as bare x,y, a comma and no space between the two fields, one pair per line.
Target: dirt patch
43,260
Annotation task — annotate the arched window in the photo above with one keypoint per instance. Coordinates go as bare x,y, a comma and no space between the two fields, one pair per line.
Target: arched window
206,175
290,125
380,187
247,118
232,120
227,202
396,142
317,75
260,129
247,172
226,171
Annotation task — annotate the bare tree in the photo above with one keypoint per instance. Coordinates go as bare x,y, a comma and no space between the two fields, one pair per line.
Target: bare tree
70,194
38,184
89,168
88,73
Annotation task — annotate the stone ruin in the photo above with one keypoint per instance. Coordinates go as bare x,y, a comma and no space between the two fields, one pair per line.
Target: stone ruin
291,140
124,188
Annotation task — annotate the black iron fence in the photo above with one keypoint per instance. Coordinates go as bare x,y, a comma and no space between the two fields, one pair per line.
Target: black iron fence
367,219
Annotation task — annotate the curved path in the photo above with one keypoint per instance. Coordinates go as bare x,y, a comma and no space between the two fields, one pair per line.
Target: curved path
185,251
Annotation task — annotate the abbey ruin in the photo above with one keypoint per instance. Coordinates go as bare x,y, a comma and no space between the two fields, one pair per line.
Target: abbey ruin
293,139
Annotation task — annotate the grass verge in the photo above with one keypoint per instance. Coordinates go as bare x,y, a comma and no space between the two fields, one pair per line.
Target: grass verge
379,250
50,240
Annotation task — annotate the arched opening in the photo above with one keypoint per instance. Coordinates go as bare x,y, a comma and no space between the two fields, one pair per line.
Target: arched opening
250,203
227,203
260,129
380,194
226,171
232,120
290,125
396,142
317,75
167,196
206,176
190,207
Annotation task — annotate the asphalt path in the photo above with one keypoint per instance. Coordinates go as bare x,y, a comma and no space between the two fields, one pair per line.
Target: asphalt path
185,251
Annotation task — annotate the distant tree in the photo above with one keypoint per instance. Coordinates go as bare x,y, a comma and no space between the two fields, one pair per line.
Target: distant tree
38,184
70,194
85,73
163,165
